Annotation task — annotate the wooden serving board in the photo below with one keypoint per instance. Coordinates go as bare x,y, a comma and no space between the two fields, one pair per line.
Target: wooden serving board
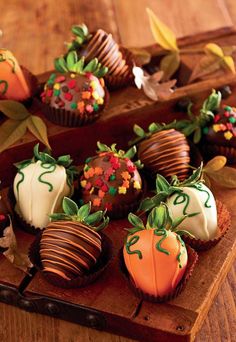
110,305
126,107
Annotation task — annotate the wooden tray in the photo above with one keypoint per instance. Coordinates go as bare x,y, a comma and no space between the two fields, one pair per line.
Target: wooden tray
110,305
127,106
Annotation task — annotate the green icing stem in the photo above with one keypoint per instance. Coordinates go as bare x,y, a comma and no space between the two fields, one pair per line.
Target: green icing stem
132,242
47,172
199,188
178,237
21,180
5,86
185,198
163,233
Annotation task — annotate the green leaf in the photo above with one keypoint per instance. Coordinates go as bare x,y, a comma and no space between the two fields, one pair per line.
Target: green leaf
161,33
146,204
135,221
161,183
78,31
212,102
131,152
10,132
71,59
94,218
153,127
70,207
60,217
64,160
176,222
139,131
195,177
160,197
79,66
60,65
91,66
84,211
13,110
101,72
160,216
169,65
38,128
103,147
197,135
102,225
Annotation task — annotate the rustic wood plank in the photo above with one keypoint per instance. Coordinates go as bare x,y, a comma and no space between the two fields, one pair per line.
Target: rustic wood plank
47,27
193,18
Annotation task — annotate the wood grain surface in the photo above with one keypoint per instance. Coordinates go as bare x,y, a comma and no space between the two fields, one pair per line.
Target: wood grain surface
35,32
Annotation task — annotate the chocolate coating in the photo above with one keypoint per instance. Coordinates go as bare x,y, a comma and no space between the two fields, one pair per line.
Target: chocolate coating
119,61
220,137
69,249
110,182
165,152
79,94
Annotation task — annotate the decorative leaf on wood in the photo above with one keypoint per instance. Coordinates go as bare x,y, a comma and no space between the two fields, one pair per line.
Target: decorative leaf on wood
13,110
38,128
161,33
214,49
228,63
215,164
214,60
169,64
11,131
141,56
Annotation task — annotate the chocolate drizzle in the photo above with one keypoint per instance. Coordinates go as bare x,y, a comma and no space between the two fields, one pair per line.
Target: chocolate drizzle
69,249
165,152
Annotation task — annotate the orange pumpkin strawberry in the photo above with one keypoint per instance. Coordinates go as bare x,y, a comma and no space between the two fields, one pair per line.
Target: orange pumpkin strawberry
13,84
155,256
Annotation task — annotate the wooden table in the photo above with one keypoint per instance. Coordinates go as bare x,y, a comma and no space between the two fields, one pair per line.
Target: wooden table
34,31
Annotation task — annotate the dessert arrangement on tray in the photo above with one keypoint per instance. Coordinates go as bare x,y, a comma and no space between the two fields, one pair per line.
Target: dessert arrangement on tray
166,195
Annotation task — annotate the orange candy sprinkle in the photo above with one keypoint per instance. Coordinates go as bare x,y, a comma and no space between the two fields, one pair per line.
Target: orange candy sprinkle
125,175
97,202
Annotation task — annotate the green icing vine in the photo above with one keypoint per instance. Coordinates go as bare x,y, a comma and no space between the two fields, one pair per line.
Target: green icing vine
183,197
161,232
5,86
199,188
132,242
178,237
21,180
46,166
3,58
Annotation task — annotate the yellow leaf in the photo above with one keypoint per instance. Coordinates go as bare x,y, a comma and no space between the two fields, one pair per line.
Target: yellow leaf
228,50
207,65
214,49
11,131
13,110
206,179
38,128
215,164
228,63
169,64
225,177
142,56
161,33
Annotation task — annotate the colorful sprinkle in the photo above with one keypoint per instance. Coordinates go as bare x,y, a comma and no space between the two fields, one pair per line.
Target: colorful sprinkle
216,118
56,92
73,105
137,185
125,184
104,188
88,186
83,183
89,108
216,128
228,135
95,107
99,182
93,84
49,92
86,95
232,119
60,79
72,75
101,193
57,86
68,96
100,101
228,108
97,202
112,191
91,191
112,177
95,95
71,84
122,190
125,175
98,171
80,106
108,206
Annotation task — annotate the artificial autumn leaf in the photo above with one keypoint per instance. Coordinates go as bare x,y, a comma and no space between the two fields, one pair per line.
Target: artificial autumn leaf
11,131
228,63
161,33
225,177
214,49
38,128
13,110
169,64
141,56
207,65
215,164
229,50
